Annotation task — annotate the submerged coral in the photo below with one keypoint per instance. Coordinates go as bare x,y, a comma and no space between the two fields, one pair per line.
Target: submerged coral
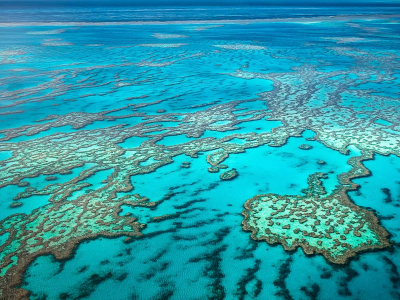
327,224
334,104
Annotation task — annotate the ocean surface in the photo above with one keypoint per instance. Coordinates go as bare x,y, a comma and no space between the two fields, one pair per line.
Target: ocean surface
199,152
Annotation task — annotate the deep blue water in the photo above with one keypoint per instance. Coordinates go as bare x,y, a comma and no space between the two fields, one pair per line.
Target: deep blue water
115,13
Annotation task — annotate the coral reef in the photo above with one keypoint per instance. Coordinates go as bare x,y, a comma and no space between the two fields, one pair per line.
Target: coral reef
305,147
229,175
333,104
327,224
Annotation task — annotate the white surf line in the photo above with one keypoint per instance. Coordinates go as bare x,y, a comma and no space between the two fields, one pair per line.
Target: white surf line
223,21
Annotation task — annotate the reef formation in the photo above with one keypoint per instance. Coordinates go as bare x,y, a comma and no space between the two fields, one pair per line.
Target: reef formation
326,224
304,98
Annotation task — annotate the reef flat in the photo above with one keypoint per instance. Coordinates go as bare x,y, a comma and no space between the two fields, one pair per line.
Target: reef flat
127,154
330,225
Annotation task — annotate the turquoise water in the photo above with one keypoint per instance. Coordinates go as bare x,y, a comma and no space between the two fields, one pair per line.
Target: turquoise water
92,115
206,208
